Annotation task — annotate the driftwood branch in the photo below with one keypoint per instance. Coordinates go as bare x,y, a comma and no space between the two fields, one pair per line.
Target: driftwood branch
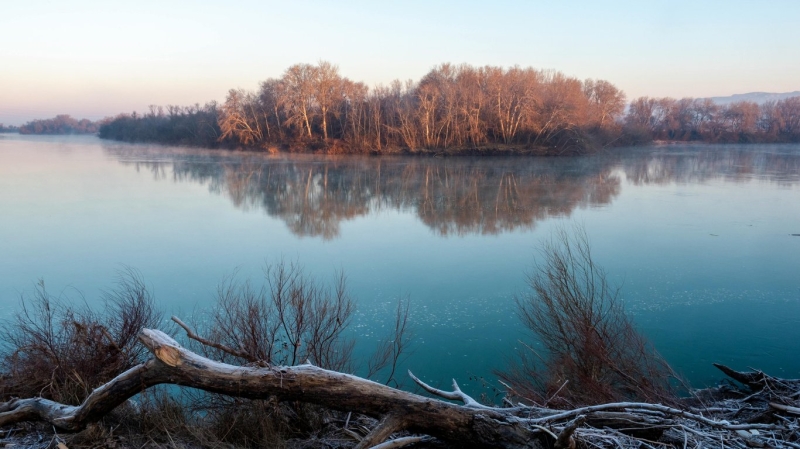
455,395
227,349
386,427
785,408
754,380
469,425
564,440
401,442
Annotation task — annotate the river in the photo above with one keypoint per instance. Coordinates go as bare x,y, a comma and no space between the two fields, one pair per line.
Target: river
699,237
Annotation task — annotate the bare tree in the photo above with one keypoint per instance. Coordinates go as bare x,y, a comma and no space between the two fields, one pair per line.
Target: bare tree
640,112
272,97
402,106
606,102
473,100
300,82
239,118
741,117
328,91
513,96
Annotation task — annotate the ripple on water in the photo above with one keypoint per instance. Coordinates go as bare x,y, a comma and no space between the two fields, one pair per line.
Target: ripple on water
659,301
461,316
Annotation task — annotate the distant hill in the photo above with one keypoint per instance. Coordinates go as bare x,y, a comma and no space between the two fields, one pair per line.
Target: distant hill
755,97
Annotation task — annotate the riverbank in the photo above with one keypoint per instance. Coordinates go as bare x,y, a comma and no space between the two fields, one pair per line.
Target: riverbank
757,410
334,148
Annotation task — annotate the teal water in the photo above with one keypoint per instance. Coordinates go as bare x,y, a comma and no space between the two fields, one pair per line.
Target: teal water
699,237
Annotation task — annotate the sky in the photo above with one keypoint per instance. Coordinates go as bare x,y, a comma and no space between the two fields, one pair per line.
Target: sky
97,58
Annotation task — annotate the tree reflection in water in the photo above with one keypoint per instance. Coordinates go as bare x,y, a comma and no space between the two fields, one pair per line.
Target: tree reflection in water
452,196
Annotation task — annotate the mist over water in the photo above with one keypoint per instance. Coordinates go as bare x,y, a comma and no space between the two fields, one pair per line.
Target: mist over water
698,236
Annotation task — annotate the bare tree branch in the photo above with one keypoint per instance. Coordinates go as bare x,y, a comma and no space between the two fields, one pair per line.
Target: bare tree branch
220,346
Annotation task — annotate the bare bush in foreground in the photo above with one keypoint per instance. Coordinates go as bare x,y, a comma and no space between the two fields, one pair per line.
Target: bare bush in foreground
593,352
59,350
393,347
292,319
261,404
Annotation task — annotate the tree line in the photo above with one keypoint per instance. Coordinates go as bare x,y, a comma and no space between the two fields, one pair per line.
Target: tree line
8,129
60,124
174,125
692,119
452,107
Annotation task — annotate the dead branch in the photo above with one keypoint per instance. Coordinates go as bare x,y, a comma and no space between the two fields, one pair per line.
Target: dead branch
401,442
385,428
785,408
754,380
564,440
207,342
456,394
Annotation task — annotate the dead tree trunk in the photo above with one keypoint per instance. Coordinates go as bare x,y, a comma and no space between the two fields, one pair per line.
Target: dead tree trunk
469,425
398,410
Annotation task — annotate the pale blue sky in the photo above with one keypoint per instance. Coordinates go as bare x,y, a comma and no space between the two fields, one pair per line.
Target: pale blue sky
94,58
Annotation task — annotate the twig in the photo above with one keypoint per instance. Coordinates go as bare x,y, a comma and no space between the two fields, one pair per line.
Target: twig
353,434
554,395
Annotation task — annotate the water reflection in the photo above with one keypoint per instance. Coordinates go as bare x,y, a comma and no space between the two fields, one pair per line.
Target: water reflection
732,163
454,196
451,196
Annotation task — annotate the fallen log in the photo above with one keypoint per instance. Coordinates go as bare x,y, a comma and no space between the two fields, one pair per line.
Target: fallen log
172,364
469,424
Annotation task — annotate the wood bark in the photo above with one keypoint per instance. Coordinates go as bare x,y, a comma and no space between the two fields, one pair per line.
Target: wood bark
469,425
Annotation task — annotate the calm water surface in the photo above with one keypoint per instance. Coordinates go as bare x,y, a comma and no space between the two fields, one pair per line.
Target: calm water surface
700,237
